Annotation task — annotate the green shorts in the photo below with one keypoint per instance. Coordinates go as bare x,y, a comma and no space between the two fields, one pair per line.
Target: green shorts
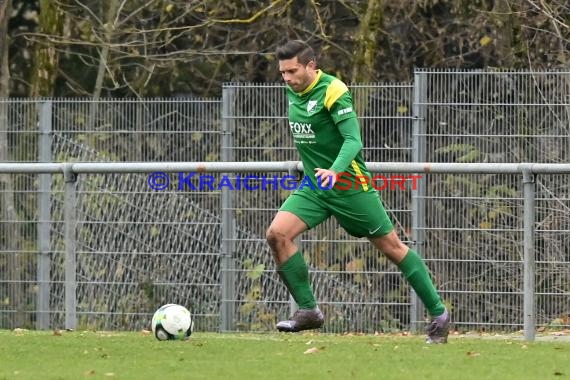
361,214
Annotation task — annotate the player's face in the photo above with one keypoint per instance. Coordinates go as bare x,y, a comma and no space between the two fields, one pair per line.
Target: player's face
297,75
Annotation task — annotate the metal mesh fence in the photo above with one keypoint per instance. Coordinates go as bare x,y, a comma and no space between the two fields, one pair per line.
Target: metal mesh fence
138,248
489,116
474,223
143,130
552,250
18,253
474,248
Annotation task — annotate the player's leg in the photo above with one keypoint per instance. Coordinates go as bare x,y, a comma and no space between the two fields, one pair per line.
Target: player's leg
299,213
418,276
281,234
364,215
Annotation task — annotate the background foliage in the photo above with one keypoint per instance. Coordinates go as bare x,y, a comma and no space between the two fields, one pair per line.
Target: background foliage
189,48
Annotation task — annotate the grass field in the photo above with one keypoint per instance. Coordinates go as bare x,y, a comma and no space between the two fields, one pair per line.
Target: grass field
109,355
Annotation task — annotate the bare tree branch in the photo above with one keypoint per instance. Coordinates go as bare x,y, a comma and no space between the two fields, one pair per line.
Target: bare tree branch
250,19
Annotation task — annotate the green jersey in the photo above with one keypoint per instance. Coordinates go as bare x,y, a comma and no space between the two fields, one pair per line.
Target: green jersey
314,115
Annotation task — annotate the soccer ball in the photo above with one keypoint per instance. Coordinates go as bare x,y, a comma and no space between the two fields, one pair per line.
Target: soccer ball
172,322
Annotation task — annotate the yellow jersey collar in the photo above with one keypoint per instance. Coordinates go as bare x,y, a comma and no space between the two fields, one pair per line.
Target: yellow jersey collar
313,83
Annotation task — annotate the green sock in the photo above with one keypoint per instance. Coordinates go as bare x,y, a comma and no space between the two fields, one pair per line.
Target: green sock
417,274
295,275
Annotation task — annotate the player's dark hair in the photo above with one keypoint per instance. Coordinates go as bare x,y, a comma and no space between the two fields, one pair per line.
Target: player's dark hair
296,48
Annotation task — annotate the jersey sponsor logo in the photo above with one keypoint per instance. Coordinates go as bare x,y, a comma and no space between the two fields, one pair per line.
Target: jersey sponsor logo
311,106
302,132
344,111
304,128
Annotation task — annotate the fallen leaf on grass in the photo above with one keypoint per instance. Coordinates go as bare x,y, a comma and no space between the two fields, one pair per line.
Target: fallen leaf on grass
89,373
312,350
57,332
145,332
109,374
473,353
19,331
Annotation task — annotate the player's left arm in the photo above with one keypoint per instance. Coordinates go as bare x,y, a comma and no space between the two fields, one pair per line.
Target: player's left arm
340,105
350,131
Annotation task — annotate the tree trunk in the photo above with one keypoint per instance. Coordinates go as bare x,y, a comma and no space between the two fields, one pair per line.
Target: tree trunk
46,57
366,42
504,44
5,11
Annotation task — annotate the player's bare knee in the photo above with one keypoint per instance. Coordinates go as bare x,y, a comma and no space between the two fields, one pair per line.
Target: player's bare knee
396,251
396,246
391,245
275,239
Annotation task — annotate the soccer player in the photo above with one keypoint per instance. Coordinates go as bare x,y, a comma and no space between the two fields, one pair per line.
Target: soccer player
326,132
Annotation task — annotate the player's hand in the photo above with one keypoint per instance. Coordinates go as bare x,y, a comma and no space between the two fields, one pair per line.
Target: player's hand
327,177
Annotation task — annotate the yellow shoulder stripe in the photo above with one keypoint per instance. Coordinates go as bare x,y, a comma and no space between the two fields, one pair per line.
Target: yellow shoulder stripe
334,91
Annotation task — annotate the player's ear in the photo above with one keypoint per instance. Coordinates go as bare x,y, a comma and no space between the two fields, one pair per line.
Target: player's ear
312,64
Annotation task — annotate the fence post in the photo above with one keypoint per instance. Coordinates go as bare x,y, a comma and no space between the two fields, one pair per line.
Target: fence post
70,220
227,263
44,219
419,192
528,249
